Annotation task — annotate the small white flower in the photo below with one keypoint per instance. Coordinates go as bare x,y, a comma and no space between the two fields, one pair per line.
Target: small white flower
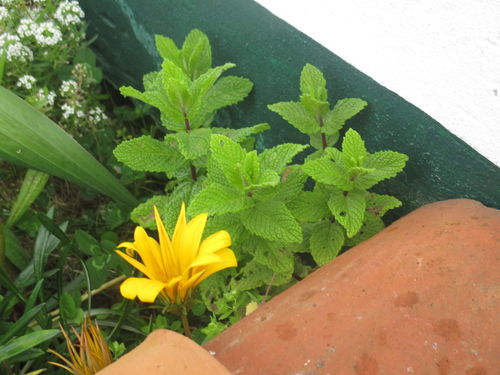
18,51
48,34
48,97
27,81
67,110
6,2
80,114
68,87
3,13
51,97
27,27
69,12
97,115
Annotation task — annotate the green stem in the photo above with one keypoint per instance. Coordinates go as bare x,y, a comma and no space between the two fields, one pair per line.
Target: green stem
2,246
323,135
188,129
185,323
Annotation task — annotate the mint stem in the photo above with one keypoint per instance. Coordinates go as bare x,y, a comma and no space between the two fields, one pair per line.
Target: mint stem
188,129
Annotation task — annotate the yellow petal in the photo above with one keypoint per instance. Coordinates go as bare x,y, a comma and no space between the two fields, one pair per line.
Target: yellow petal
215,242
179,226
141,267
189,284
227,259
149,250
147,290
172,289
170,263
189,241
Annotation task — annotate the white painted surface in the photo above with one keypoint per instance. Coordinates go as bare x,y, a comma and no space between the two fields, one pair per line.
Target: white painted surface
443,56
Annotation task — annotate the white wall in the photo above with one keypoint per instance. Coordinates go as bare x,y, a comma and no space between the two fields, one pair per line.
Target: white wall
443,56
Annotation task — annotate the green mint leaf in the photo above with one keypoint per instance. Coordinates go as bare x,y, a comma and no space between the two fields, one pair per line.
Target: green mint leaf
194,144
348,209
327,172
314,106
251,168
272,221
229,156
313,83
167,49
379,204
326,242
310,206
278,157
276,257
292,183
149,155
196,53
227,91
217,199
296,115
143,213
316,140
253,275
267,178
343,110
238,135
152,81
353,148
382,165
371,226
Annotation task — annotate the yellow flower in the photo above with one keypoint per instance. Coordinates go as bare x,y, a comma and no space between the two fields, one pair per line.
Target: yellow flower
92,355
174,267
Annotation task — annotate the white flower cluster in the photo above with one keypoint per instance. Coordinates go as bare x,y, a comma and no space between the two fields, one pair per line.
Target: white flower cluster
69,12
68,110
26,81
3,13
97,115
6,2
15,49
68,87
47,97
48,34
27,27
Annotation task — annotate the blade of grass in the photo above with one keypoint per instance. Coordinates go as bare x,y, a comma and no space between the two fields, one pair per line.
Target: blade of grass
23,343
20,324
31,139
33,184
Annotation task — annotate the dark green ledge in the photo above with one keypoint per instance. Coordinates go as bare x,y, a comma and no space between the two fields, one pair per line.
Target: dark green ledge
272,53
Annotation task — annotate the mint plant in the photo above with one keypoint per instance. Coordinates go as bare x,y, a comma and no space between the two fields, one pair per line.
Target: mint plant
276,224
188,92
340,210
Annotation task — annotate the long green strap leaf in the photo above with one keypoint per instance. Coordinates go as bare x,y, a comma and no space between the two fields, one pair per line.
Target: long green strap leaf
29,138
20,324
23,343
33,184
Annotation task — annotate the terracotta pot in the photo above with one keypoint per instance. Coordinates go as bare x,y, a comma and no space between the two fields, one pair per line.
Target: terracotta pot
421,297
166,353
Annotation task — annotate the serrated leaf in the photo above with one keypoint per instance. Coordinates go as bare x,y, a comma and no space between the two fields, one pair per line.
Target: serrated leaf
239,135
353,148
152,81
310,206
253,275
277,258
143,214
229,156
316,140
314,106
325,171
227,91
278,157
379,204
371,226
291,184
296,115
167,49
194,144
348,209
326,242
313,83
266,179
387,163
343,110
149,155
251,168
197,53
272,221
217,199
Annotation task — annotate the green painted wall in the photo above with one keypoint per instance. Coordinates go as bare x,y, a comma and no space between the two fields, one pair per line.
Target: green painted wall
272,53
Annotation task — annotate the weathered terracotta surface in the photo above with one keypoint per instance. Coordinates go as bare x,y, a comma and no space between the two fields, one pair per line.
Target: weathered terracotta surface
166,353
421,297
